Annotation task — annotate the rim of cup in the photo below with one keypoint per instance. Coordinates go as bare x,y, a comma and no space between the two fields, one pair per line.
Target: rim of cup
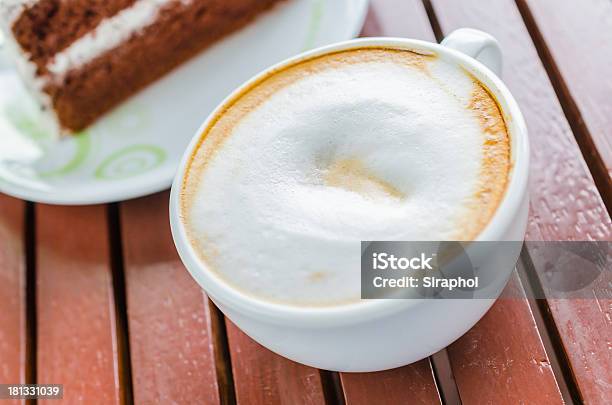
228,296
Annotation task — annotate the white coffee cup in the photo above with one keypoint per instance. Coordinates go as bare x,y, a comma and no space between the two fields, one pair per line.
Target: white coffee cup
379,334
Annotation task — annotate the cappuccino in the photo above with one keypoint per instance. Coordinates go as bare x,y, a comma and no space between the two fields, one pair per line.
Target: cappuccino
365,144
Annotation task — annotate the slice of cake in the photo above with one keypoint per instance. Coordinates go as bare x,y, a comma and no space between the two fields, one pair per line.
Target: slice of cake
83,57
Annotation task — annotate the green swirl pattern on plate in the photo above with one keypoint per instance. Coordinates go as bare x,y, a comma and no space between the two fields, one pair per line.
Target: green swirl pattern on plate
82,142
131,161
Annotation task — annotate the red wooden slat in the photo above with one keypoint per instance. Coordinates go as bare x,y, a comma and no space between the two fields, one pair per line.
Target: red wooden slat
12,293
170,328
565,203
263,377
413,384
585,327
502,359
397,18
77,339
577,35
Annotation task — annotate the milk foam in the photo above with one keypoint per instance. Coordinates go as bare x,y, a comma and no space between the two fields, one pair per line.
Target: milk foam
371,146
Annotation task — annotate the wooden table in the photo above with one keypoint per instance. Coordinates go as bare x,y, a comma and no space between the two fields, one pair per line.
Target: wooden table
96,297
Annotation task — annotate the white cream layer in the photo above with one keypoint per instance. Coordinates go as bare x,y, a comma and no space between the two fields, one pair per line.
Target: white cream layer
109,34
368,151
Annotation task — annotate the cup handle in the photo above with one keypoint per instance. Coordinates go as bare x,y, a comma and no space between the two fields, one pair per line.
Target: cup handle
479,45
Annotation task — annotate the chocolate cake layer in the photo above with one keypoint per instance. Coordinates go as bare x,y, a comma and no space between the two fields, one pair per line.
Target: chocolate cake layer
49,26
181,30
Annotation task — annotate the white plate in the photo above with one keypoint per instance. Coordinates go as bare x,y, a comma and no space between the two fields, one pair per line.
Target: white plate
135,150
